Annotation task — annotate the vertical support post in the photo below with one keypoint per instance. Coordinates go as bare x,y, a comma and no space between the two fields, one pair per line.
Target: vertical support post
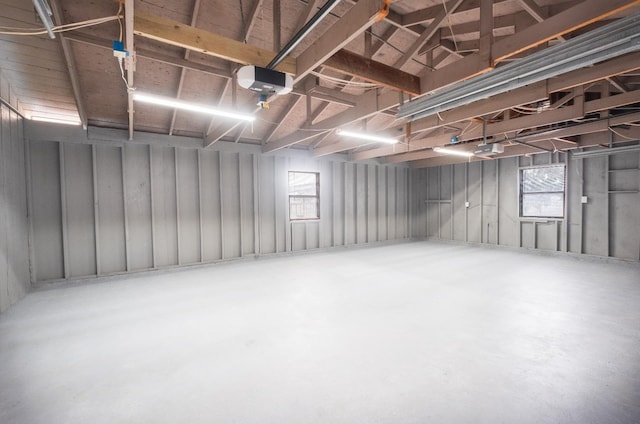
453,170
608,203
130,61
153,209
240,183
277,44
63,205
96,207
200,211
221,188
486,31
427,204
334,211
439,203
466,199
124,207
275,204
498,201
366,202
176,178
567,204
32,261
344,209
257,225
482,202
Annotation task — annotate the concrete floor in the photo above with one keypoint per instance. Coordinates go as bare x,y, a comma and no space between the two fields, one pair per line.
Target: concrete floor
412,333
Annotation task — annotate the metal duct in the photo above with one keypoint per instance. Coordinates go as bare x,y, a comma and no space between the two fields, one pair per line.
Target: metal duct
607,42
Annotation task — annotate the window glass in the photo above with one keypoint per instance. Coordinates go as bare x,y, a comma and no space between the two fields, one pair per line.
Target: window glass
304,195
542,192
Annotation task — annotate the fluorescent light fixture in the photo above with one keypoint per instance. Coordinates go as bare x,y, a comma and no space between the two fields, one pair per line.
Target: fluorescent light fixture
609,41
452,152
44,12
69,121
605,152
365,136
192,107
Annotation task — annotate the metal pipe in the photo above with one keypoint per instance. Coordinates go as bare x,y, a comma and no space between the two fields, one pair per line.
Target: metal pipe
304,31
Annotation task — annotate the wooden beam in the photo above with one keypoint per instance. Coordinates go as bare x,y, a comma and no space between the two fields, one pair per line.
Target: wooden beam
282,118
290,140
355,21
370,70
573,18
555,26
427,33
91,40
178,34
252,20
415,149
130,61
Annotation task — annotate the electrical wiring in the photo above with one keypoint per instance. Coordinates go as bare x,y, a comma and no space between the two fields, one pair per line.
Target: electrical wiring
346,83
621,135
453,36
61,28
129,89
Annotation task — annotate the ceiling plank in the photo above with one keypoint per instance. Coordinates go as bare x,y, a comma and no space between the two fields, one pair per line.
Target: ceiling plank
181,35
370,70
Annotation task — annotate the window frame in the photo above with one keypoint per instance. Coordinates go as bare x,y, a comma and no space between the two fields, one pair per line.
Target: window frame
304,196
521,194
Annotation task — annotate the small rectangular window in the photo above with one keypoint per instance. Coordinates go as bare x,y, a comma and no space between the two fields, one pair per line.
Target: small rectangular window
304,195
542,192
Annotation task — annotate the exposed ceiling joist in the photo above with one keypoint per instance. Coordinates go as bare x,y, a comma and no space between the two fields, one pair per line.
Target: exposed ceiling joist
370,70
571,19
178,34
353,23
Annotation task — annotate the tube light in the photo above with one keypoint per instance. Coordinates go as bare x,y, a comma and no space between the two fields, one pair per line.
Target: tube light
192,107
604,43
452,152
70,121
605,152
44,12
364,136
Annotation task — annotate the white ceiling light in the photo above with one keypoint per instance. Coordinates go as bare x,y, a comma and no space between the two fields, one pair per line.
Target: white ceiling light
69,121
452,152
369,137
192,107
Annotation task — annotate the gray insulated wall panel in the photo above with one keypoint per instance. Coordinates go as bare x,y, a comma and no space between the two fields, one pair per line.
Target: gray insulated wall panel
478,202
14,229
102,207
